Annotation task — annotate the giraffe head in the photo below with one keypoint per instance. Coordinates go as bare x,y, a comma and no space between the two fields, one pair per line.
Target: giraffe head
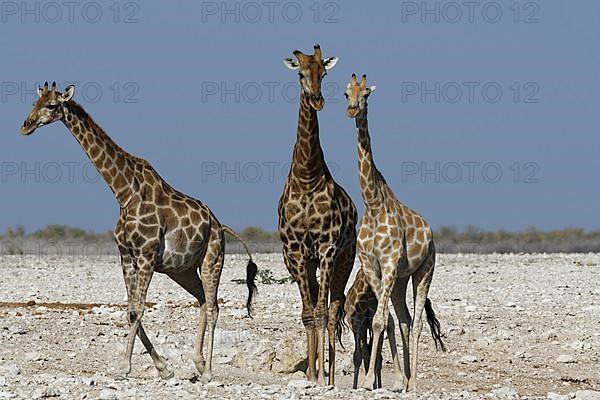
311,70
357,94
48,108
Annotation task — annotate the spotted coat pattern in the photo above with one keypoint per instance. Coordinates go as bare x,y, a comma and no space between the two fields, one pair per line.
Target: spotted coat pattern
159,228
394,244
317,225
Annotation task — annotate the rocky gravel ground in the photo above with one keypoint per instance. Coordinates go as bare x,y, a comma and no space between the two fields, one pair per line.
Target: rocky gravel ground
516,326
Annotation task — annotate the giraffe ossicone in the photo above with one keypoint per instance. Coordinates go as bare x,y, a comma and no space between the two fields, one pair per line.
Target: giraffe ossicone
159,229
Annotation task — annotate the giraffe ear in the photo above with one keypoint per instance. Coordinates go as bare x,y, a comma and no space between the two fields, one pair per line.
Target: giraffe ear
291,64
68,93
330,62
40,91
372,89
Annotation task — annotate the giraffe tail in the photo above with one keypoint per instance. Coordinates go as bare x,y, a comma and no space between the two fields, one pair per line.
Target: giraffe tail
341,325
434,325
251,270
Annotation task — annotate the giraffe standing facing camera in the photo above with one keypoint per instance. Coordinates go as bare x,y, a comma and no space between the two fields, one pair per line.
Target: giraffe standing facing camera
317,223
159,229
394,244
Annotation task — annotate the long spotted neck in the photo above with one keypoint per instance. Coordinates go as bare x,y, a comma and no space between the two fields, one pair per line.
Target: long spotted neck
116,166
308,164
370,178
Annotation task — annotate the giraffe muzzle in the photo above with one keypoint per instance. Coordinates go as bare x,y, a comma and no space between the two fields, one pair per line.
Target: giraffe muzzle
28,127
352,111
317,102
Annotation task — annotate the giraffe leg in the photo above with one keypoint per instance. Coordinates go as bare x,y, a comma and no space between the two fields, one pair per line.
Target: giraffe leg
159,362
210,275
308,317
383,293
137,302
391,332
327,267
379,364
190,281
304,273
130,277
399,303
343,268
357,357
421,282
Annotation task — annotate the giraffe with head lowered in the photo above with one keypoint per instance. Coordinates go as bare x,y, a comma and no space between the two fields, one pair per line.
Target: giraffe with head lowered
317,223
360,307
159,229
394,245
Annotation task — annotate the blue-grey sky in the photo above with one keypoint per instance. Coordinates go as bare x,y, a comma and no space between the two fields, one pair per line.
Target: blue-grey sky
485,113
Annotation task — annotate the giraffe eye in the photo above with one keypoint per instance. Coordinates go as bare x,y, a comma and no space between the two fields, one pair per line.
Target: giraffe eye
51,106
346,95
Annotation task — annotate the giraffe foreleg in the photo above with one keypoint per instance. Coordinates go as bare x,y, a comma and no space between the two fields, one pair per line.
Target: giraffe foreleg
159,362
304,273
357,357
335,325
142,275
327,266
382,290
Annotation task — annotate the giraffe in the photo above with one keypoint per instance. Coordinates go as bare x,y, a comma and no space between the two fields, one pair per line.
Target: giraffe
361,304
317,223
158,230
394,244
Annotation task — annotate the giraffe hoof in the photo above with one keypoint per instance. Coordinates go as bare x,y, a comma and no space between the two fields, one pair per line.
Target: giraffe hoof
206,378
200,366
368,384
121,375
166,373
123,372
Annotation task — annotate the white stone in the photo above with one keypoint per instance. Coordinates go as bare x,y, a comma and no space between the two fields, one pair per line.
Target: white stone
587,395
43,393
107,394
565,359
556,396
34,356
504,392
300,384
468,359
10,370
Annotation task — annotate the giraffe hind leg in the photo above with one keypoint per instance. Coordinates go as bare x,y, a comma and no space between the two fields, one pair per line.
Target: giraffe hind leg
190,281
421,280
404,320
210,276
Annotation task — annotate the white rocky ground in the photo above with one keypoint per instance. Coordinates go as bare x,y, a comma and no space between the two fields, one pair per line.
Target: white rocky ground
515,326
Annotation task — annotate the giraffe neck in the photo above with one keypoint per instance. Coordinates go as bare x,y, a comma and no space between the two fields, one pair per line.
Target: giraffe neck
369,175
308,164
116,166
